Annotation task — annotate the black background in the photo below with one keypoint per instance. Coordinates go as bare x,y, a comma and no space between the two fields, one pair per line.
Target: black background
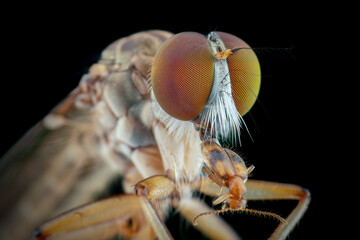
295,125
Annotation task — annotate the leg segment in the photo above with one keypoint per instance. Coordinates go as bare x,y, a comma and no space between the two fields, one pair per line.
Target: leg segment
262,190
130,216
121,215
212,226
154,193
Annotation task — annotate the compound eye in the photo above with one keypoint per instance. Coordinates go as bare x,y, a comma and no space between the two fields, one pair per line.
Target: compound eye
244,70
182,75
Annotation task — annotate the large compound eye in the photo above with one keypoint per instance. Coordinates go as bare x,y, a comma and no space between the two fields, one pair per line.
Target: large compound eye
244,70
182,75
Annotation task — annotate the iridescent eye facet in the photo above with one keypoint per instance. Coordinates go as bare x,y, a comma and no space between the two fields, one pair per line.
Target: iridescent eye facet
182,75
244,71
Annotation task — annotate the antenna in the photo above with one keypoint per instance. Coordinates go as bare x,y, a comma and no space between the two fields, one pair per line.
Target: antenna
257,212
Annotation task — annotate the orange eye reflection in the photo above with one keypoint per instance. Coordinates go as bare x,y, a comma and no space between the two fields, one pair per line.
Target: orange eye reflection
182,75
244,71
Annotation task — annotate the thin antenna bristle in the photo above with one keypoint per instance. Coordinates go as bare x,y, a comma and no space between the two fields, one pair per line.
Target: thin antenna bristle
209,213
257,212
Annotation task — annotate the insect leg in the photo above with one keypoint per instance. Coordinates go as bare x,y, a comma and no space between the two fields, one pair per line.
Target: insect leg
212,226
262,190
208,187
120,215
154,193
214,178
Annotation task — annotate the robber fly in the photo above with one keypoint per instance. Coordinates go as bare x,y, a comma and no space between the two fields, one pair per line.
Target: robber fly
154,110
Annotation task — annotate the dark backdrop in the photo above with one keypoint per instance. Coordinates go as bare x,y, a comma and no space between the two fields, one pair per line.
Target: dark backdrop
48,48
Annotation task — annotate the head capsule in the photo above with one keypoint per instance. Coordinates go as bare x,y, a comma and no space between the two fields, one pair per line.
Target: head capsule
183,73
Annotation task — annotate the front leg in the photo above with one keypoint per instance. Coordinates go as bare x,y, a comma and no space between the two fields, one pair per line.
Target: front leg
154,193
262,190
119,215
